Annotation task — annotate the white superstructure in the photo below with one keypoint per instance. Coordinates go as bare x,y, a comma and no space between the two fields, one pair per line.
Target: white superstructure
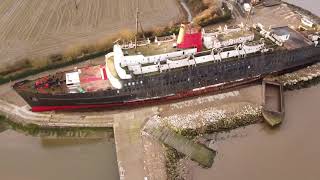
226,37
140,64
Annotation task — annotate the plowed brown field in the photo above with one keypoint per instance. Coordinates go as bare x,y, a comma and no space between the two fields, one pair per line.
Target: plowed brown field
33,28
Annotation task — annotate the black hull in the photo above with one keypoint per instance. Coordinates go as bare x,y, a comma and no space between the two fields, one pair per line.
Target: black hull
172,83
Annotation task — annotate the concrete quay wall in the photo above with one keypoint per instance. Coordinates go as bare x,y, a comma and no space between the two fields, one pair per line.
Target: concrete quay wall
22,115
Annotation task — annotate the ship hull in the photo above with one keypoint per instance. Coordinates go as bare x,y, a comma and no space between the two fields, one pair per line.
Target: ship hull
192,93
176,84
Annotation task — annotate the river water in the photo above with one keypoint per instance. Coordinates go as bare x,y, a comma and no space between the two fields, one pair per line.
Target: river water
25,157
311,5
258,152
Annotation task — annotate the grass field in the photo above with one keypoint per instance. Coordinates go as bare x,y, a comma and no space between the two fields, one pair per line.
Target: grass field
35,28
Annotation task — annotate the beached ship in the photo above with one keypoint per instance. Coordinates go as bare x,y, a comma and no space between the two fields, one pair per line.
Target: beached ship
193,63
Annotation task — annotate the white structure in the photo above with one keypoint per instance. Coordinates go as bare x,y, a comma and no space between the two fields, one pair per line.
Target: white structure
132,45
247,7
273,37
135,63
118,58
226,37
307,22
282,37
113,80
73,81
141,59
72,78
315,39
239,51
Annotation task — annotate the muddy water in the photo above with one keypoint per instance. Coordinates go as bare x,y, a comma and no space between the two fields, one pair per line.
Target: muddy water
311,5
257,152
32,158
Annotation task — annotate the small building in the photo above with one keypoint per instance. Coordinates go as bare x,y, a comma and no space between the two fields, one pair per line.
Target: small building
73,79
306,22
281,36
247,7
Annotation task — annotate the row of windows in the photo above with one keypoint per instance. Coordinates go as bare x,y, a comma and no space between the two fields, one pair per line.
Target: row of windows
133,83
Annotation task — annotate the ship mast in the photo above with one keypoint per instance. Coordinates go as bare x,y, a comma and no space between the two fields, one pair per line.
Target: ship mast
249,16
137,25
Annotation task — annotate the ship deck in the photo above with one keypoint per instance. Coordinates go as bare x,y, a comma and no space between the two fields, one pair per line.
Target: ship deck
92,78
296,40
153,49
234,35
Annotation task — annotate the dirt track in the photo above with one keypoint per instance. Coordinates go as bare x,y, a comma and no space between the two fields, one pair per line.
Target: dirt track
41,27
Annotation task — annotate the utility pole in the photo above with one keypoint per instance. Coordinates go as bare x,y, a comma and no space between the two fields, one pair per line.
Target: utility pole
249,17
76,4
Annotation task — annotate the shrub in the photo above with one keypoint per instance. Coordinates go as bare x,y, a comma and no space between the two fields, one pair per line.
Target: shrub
16,66
40,62
211,16
197,6
126,35
72,52
55,58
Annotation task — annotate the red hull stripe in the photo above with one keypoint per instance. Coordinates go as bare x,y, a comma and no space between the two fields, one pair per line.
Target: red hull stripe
105,77
142,102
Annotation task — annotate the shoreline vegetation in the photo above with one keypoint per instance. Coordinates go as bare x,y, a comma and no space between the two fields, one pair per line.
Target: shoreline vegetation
207,12
83,52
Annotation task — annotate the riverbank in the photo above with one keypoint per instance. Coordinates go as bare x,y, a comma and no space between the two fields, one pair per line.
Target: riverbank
299,79
309,6
56,132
